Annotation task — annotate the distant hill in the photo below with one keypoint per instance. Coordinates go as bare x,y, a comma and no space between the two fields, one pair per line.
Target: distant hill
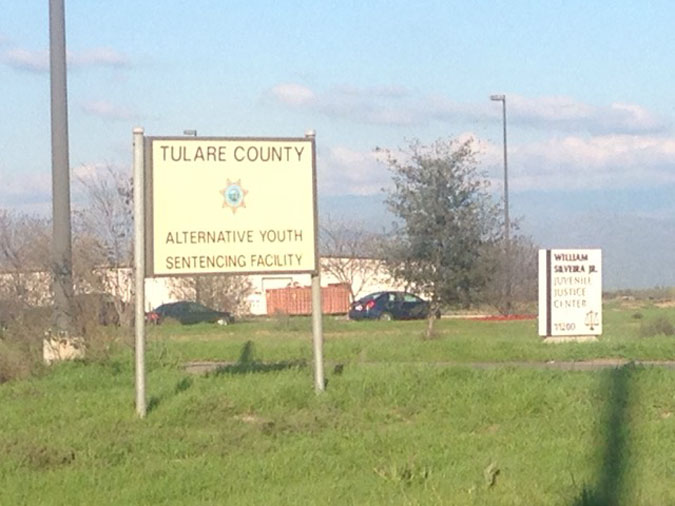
638,252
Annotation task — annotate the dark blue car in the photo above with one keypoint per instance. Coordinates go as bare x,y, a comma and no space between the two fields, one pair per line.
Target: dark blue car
389,306
187,312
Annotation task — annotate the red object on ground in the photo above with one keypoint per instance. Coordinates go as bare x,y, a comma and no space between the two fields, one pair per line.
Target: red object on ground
151,317
297,300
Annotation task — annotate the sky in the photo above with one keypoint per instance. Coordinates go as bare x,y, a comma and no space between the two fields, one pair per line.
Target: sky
590,100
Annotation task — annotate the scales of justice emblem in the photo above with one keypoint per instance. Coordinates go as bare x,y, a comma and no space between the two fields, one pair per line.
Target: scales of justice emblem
592,320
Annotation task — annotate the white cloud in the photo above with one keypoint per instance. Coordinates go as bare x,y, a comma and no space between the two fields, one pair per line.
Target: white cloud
566,114
584,146
609,161
381,105
397,106
293,94
560,163
29,193
86,171
38,60
93,171
98,57
23,59
20,184
107,110
342,170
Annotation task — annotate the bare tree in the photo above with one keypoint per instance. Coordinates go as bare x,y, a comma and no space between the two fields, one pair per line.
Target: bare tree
349,254
103,252
520,265
219,291
24,259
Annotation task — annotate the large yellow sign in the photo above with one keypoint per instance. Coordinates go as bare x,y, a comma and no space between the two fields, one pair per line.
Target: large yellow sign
230,205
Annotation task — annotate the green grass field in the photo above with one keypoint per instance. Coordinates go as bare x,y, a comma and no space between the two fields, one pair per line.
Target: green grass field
403,420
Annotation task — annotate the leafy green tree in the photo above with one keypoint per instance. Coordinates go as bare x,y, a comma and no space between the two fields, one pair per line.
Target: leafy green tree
447,219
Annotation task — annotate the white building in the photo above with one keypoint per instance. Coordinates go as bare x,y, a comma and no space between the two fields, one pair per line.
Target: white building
365,276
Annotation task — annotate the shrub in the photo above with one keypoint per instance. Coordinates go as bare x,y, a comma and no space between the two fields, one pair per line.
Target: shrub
20,355
660,326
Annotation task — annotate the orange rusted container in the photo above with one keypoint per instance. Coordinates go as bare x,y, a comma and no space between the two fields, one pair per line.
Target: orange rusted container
297,300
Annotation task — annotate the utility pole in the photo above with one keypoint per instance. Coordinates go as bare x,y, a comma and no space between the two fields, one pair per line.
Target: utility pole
62,269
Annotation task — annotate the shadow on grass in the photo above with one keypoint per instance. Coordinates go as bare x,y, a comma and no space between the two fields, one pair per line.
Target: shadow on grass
181,385
244,365
607,490
248,364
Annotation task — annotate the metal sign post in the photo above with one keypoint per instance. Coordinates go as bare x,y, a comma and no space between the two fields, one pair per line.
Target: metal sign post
317,306
317,333
139,271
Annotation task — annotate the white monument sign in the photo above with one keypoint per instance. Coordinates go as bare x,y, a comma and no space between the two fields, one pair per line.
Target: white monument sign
570,292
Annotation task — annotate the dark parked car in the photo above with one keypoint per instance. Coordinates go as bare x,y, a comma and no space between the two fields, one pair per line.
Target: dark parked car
187,312
389,306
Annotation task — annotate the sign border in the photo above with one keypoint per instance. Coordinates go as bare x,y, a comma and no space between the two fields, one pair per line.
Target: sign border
546,299
149,204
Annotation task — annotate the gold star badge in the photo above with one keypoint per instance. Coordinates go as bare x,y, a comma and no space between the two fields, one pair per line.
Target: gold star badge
234,195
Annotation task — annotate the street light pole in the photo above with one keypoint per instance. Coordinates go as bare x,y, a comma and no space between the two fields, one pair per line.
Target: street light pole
507,223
